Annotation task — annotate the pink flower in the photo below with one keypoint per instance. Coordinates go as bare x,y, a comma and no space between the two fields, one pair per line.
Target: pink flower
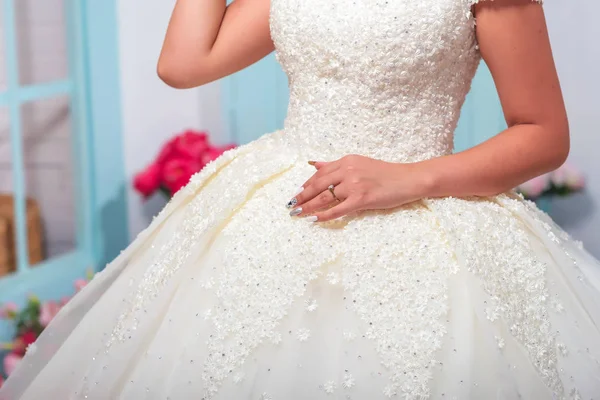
536,186
213,152
178,159
191,145
567,175
64,301
80,284
48,311
166,152
147,181
11,360
8,311
576,182
229,147
177,173
559,176
21,343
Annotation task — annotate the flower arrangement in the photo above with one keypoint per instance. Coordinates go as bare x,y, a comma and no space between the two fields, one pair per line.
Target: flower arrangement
29,322
179,159
560,182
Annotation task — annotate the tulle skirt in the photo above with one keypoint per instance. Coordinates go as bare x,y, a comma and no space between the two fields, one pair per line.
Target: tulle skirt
225,296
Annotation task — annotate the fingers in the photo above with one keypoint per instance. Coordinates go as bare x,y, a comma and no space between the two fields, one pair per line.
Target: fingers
319,164
318,186
322,200
323,169
343,208
315,201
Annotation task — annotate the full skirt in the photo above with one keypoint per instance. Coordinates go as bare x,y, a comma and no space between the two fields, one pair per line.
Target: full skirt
225,296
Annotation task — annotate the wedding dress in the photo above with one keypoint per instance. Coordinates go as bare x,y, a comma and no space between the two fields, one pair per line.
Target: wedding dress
225,296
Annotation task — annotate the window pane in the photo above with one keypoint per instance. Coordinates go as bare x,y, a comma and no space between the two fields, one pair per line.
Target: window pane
49,169
7,239
41,41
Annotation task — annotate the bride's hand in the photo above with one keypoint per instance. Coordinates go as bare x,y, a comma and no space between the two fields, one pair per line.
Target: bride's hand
359,183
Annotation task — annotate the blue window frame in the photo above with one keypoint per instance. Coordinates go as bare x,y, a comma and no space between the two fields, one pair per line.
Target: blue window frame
92,87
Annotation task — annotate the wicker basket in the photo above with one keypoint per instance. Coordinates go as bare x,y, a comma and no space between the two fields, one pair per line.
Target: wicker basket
5,244
35,235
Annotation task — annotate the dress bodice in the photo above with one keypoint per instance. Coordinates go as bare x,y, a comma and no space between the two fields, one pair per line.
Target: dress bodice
381,78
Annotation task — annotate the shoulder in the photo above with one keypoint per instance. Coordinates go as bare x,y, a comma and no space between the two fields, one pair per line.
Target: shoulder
504,2
478,5
501,3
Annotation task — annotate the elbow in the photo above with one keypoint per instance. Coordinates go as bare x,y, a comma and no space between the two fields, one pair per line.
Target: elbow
173,76
560,157
178,75
561,146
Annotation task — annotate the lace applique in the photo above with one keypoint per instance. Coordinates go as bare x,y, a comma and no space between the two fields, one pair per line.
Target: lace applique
401,293
256,288
495,247
517,204
268,260
390,89
207,209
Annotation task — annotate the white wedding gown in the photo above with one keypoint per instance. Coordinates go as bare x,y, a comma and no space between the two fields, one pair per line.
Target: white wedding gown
225,296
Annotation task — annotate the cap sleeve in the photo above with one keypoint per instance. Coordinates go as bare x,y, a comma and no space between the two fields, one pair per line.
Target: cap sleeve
474,2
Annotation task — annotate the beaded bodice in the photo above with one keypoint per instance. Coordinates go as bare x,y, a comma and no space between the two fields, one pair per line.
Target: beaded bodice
382,78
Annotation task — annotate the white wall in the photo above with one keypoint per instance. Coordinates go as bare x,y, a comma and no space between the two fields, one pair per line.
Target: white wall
574,31
152,111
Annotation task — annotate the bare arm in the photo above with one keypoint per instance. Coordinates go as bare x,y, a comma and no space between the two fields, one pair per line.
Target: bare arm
514,43
207,40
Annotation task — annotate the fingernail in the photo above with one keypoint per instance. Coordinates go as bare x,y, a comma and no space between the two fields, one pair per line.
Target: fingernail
312,162
312,218
292,203
300,189
295,211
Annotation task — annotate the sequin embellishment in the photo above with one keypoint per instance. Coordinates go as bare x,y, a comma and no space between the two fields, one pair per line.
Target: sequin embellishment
494,246
205,211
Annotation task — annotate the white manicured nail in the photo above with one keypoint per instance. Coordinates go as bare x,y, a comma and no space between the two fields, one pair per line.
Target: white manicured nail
295,211
312,218
300,189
